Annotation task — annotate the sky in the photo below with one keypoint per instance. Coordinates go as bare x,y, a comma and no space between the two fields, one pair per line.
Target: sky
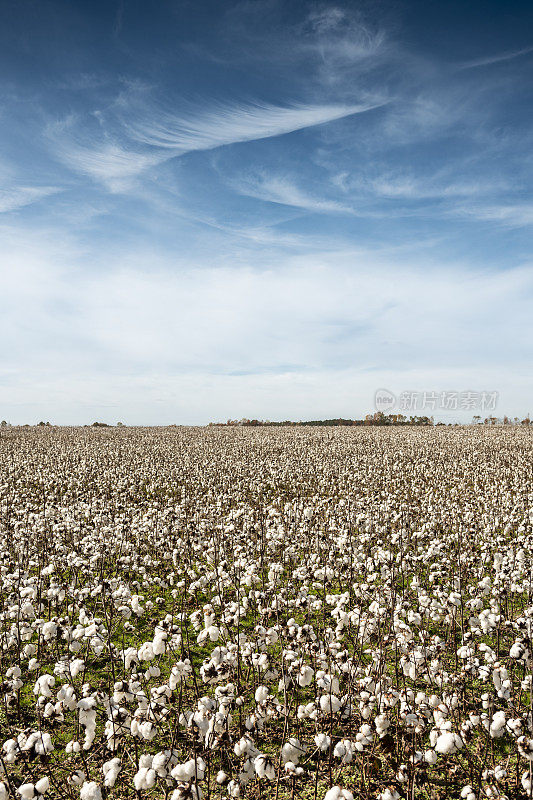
266,209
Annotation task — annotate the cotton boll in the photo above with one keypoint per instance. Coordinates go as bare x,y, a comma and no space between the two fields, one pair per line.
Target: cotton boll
344,751
90,790
448,743
497,726
78,777
322,741
111,769
305,675
292,751
213,632
44,744
264,768
189,770
337,793
26,791
329,704
261,694
144,778
42,785
234,789
389,794
292,770
187,791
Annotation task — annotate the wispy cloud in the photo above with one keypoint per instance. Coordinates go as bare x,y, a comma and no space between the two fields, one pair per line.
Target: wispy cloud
20,196
220,125
512,215
110,163
484,62
319,318
280,189
410,187
140,138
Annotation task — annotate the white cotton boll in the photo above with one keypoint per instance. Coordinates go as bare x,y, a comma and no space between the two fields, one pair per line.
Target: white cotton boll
76,666
43,785
497,726
111,769
525,746
158,646
221,777
467,793
526,782
147,730
187,792
336,793
44,685
382,723
448,743
322,741
44,744
234,789
261,694
4,792
90,791
49,630
389,794
305,675
184,772
161,763
264,768
430,757
144,778
329,704
213,632
292,770
292,751
78,777
344,750
26,791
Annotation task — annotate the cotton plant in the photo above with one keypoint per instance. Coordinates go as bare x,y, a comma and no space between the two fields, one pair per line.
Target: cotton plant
263,611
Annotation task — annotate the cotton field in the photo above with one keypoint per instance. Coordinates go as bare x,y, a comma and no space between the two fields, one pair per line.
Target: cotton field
328,613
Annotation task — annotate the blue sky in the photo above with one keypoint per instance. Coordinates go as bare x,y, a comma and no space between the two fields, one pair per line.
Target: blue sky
266,209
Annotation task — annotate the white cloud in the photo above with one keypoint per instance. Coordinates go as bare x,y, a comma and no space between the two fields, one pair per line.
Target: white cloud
279,189
150,327
512,215
15,197
483,62
107,163
193,129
